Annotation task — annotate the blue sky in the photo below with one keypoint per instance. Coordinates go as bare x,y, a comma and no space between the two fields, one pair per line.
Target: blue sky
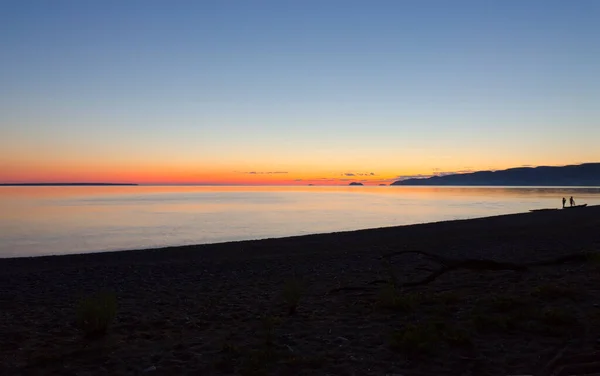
400,87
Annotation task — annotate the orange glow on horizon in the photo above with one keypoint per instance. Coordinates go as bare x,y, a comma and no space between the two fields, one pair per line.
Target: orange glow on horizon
188,172
174,176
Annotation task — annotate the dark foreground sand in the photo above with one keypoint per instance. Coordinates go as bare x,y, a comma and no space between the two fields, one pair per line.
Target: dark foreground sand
201,310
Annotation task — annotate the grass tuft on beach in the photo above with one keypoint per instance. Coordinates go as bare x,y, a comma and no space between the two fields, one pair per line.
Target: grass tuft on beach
292,293
555,292
415,339
96,313
391,298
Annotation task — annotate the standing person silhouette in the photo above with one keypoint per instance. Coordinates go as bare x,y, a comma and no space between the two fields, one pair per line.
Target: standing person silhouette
564,202
571,201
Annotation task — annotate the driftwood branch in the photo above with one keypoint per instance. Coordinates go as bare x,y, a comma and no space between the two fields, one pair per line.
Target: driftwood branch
575,257
435,258
449,264
349,288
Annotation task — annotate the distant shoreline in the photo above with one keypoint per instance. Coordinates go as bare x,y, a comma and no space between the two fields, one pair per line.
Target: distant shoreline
585,174
61,184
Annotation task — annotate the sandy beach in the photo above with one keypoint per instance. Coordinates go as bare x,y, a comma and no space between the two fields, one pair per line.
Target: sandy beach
221,309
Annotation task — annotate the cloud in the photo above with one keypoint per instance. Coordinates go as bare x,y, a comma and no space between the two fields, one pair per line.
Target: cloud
261,172
444,173
358,174
436,172
439,172
418,176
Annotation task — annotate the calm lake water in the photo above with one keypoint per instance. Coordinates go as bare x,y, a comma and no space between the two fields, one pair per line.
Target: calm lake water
59,220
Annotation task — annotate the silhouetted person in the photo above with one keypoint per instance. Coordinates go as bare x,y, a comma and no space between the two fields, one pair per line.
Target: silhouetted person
571,201
564,202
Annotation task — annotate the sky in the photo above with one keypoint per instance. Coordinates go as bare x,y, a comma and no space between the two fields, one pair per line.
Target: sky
294,92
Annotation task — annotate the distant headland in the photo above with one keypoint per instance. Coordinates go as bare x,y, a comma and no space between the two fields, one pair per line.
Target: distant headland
60,184
587,174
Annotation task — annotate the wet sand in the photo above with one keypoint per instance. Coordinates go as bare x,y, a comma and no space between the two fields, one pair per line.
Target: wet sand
218,309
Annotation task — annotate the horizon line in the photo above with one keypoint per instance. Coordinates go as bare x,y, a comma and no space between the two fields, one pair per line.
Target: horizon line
304,182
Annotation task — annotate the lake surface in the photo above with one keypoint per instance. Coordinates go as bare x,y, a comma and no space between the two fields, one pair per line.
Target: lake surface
60,220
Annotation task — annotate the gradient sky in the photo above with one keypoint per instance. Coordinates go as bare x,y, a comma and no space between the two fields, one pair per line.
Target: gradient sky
290,92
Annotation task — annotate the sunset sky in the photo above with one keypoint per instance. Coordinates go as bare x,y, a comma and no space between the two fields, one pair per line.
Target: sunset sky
294,92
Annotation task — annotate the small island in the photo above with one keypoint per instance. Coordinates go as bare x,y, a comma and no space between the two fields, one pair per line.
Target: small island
356,183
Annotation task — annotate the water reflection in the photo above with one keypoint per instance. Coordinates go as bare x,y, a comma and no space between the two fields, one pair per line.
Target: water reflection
54,220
